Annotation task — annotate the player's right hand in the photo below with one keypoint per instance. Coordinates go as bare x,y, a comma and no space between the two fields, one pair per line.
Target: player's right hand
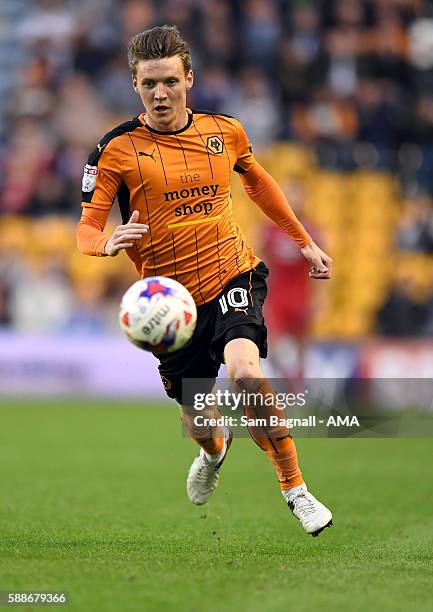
124,235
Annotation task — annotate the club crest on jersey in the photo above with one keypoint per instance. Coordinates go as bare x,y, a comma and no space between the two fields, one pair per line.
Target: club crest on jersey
89,178
215,145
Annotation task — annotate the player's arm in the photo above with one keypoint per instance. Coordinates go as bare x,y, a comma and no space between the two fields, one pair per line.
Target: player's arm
264,191
92,240
101,182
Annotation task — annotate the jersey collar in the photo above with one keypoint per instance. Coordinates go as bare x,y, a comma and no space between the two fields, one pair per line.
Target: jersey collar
142,120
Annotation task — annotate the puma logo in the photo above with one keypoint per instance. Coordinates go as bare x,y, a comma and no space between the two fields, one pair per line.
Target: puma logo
143,154
244,310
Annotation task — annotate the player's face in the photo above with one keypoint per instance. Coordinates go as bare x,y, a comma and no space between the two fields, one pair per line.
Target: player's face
162,85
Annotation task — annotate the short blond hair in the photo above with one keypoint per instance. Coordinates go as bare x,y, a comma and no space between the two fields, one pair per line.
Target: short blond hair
159,42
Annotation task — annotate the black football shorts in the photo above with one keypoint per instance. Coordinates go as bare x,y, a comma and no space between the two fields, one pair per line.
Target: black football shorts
235,313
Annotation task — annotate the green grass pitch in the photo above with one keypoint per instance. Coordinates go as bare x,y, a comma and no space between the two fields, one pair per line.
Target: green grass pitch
93,502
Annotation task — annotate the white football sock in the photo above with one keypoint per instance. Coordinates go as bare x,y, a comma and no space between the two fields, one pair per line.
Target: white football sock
294,491
214,459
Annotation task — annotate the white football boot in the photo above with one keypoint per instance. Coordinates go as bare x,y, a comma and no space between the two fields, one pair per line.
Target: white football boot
313,515
203,475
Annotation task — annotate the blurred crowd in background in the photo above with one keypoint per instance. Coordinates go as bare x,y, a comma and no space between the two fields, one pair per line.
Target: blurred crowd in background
336,97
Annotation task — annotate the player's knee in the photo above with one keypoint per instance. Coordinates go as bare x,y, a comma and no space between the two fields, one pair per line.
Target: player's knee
246,374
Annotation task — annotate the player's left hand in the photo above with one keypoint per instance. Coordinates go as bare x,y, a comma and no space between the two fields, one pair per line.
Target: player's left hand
321,263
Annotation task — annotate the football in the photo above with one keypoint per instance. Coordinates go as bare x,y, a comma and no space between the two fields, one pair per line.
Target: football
158,314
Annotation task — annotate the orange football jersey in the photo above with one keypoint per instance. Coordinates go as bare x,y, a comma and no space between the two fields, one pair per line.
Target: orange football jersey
180,183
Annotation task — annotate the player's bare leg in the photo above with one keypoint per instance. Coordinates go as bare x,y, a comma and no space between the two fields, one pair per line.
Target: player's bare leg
214,442
243,367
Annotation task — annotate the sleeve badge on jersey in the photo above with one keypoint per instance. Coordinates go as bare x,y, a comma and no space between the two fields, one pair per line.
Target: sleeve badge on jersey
215,145
89,178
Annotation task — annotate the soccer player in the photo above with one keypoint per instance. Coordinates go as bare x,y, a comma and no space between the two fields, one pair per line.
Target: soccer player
170,169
